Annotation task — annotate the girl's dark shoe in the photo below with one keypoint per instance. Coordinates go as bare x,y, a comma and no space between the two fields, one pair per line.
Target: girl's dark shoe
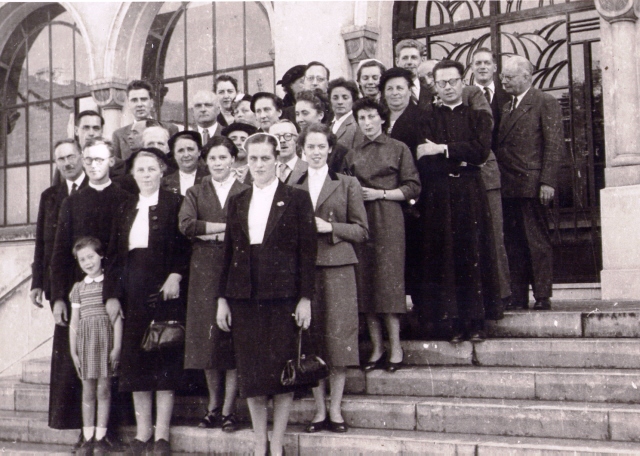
139,448
392,367
212,419
162,448
340,428
317,426
379,364
229,423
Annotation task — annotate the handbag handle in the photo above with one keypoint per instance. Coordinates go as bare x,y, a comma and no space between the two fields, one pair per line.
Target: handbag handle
299,345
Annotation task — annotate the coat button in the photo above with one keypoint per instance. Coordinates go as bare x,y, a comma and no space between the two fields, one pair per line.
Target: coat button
153,208
154,227
155,217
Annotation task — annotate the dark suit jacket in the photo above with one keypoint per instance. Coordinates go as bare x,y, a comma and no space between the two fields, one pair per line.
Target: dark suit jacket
339,203
426,96
500,98
86,213
218,131
298,170
165,239
409,127
119,138
171,182
530,145
287,257
349,134
48,211
490,170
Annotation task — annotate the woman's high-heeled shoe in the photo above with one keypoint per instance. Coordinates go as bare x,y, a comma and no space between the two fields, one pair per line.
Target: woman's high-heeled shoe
379,364
392,367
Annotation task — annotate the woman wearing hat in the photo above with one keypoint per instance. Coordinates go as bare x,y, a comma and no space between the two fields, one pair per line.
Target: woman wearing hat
185,148
148,263
238,133
292,83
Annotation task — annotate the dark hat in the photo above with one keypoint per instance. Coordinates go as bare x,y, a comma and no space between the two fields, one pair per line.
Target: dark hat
292,75
239,126
152,150
193,135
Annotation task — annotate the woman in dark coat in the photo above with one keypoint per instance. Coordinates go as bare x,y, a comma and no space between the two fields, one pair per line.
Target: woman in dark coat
148,259
203,219
386,170
341,220
266,286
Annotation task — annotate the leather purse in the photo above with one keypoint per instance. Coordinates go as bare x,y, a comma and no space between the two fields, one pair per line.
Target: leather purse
305,370
162,335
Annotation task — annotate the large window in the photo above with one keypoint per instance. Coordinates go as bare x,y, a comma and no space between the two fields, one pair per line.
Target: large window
190,43
44,71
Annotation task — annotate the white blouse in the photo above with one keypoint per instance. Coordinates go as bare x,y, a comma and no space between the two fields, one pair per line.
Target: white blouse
259,209
223,188
139,234
316,181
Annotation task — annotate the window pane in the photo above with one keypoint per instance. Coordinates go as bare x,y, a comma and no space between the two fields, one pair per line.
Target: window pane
229,34
199,38
39,181
87,104
83,74
258,34
39,66
39,132
459,46
16,195
193,86
261,80
173,105
16,136
63,119
62,60
174,63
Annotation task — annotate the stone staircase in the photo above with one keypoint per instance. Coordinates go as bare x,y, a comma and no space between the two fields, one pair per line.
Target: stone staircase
546,383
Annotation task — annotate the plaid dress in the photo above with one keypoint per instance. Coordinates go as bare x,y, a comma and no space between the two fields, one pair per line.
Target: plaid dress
95,333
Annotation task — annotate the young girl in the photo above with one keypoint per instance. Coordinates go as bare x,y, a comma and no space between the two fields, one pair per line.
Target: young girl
95,344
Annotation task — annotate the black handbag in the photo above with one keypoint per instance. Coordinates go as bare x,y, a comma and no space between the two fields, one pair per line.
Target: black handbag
305,370
162,335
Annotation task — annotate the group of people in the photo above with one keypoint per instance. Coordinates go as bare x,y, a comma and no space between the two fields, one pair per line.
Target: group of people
269,217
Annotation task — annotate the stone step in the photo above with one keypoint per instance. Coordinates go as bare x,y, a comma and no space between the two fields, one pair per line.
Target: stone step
26,448
37,371
192,440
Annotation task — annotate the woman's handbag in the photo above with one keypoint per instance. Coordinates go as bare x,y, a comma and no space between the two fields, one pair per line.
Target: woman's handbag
305,369
162,335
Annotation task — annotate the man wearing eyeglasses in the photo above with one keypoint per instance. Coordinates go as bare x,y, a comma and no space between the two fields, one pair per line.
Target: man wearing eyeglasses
458,270
316,76
290,167
529,147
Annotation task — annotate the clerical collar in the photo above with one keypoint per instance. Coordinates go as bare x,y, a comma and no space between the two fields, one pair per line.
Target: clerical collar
98,279
452,107
78,182
100,187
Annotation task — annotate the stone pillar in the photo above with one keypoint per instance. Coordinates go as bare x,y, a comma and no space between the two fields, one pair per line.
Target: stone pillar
620,211
111,96
361,43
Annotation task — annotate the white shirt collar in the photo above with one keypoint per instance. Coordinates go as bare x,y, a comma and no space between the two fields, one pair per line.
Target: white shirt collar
292,163
78,181
212,130
227,182
337,123
148,201
98,279
520,97
271,188
188,175
320,172
100,187
491,86
454,106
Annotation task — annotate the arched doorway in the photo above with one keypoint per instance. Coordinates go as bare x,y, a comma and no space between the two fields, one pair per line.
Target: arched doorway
190,43
562,40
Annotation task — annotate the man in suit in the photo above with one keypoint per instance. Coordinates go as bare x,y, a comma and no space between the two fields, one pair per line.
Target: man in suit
185,147
529,149
226,88
290,167
205,108
484,67
141,105
316,76
65,396
409,56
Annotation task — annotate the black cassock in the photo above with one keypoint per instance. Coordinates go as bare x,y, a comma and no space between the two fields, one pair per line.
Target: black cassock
457,263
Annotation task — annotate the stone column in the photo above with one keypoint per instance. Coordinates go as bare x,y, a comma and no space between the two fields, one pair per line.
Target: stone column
360,43
620,210
111,96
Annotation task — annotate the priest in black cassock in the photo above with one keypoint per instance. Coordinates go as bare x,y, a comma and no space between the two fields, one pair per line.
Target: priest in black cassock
458,261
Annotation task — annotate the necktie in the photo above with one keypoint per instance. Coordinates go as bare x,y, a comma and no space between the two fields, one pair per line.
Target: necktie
514,100
283,172
415,95
487,94
74,188
205,136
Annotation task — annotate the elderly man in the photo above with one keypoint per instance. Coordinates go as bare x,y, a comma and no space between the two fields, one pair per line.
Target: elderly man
205,109
141,104
529,149
65,395
268,109
484,67
290,167
316,76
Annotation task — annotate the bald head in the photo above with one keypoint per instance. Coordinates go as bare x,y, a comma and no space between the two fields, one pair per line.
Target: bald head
425,72
516,75
205,107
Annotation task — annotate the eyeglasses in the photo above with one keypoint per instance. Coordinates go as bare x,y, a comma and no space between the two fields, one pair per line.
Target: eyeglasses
451,82
286,136
89,160
315,78
504,77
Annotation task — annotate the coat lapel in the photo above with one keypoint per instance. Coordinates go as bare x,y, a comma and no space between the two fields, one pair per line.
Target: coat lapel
278,206
510,119
243,210
331,182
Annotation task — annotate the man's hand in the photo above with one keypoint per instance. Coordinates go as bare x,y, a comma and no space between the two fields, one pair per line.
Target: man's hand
60,313
114,309
546,194
430,148
36,297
